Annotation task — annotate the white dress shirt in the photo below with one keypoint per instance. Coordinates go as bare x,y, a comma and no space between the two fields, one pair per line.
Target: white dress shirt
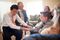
7,21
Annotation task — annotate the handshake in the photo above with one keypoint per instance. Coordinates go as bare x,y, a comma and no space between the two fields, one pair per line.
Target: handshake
29,28
26,27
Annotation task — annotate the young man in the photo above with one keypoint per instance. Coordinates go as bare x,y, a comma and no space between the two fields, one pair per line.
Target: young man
45,22
9,26
22,13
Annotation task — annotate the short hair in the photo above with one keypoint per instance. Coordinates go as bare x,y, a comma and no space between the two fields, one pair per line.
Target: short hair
46,14
48,8
14,6
19,3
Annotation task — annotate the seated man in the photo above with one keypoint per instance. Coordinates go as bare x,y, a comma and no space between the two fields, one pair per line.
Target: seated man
50,33
9,26
55,28
45,22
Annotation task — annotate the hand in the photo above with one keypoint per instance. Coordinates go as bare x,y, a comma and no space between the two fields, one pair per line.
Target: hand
35,29
29,26
25,29
26,26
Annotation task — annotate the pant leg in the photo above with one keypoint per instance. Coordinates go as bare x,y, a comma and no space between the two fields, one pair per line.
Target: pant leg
7,33
32,37
33,32
29,38
42,37
18,34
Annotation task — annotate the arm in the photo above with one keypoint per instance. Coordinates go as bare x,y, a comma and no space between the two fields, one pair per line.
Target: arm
9,23
25,15
39,25
21,21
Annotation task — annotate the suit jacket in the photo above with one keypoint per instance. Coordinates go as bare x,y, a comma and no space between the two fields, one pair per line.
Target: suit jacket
25,16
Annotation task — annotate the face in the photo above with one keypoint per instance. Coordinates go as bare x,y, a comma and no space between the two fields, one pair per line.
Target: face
20,6
14,11
43,18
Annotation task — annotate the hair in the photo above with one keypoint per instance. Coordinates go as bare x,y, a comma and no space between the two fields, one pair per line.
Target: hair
46,14
47,7
14,6
19,3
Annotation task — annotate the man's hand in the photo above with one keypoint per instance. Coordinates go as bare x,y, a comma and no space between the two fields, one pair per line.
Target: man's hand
26,29
35,29
26,26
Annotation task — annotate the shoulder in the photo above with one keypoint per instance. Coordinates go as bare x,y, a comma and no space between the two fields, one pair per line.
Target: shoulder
24,10
6,15
49,22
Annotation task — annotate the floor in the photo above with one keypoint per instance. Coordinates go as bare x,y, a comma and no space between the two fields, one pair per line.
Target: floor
13,38
1,36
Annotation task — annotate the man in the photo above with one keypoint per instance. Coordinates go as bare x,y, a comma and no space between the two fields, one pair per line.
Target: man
55,28
50,33
9,26
45,22
47,9
21,12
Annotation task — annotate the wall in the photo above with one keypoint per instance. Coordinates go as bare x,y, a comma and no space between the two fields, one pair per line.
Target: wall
9,0
4,7
51,3
12,1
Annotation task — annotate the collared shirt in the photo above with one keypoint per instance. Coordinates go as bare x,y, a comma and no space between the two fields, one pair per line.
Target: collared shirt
42,25
7,21
21,14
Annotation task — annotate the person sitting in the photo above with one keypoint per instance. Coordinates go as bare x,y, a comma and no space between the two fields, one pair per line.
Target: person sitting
50,33
45,22
22,12
9,25
55,28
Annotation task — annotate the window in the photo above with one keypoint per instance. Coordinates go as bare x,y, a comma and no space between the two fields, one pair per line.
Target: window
33,7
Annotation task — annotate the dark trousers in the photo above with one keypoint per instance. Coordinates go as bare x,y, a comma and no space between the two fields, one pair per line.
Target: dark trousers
8,32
